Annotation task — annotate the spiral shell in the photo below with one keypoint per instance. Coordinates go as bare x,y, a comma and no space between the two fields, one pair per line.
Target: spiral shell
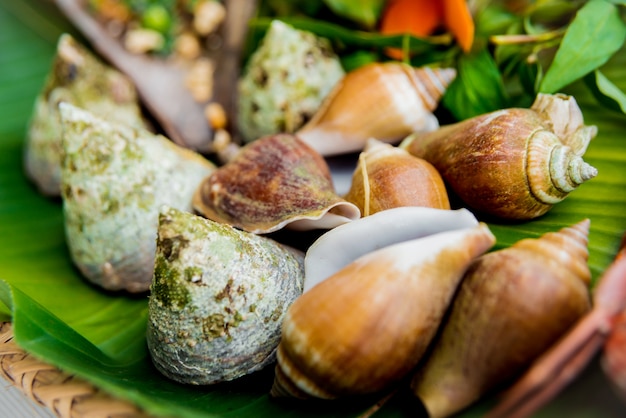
383,101
511,306
76,77
114,179
509,163
369,324
217,299
387,177
273,182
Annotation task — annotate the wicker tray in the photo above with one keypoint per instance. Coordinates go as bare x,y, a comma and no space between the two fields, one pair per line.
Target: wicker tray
65,395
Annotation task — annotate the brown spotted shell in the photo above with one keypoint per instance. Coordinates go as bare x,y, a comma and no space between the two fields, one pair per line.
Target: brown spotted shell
273,182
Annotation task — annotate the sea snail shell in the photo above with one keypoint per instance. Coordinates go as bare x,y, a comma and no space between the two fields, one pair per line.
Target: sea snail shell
340,246
511,306
511,163
218,298
369,324
383,101
387,177
273,182
76,77
114,180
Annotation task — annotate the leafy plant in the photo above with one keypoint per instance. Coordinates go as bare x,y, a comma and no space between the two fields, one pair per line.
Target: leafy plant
57,316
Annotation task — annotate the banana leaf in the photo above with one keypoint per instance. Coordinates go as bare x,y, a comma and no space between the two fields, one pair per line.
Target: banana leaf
100,336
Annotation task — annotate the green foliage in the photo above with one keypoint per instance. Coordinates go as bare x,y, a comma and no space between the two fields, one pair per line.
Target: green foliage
595,34
101,336
365,12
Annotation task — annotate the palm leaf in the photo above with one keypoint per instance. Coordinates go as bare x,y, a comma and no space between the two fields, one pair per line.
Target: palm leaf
99,336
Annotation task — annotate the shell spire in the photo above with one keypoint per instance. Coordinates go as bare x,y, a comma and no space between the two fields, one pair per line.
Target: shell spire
431,83
383,101
568,246
512,163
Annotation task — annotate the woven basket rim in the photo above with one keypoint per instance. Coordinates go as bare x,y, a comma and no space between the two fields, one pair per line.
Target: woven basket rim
66,395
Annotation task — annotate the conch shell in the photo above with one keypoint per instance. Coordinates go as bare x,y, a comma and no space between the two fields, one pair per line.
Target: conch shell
340,246
511,306
76,77
114,180
273,182
217,299
512,163
387,177
368,325
383,101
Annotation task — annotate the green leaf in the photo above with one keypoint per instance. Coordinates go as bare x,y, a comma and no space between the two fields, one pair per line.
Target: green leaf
606,92
364,12
99,336
339,35
478,87
594,35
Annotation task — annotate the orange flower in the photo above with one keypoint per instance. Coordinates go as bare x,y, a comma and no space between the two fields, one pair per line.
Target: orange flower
423,17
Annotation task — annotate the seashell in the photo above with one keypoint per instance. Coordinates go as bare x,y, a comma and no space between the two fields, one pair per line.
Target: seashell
511,306
114,179
76,77
338,247
509,163
383,101
217,299
285,81
386,177
273,182
368,325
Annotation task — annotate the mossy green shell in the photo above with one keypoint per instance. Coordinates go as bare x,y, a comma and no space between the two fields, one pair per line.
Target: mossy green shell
114,181
218,298
76,77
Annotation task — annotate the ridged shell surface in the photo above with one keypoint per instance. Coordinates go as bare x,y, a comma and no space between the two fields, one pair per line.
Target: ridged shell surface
218,299
383,101
114,179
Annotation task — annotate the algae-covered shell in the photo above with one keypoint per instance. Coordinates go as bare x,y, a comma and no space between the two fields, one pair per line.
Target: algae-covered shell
76,77
285,81
218,299
114,179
